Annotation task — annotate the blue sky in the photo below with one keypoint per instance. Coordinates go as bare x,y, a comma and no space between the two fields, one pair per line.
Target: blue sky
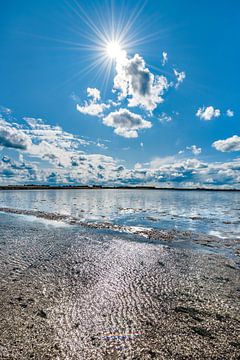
162,110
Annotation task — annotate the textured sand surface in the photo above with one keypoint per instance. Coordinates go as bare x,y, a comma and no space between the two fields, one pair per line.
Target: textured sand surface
75,293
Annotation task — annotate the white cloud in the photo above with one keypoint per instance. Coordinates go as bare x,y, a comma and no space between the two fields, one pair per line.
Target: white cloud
194,149
229,113
126,123
137,85
180,75
55,156
42,141
100,169
12,137
157,162
228,145
17,171
93,107
165,118
207,113
94,93
170,171
164,57
34,123
135,82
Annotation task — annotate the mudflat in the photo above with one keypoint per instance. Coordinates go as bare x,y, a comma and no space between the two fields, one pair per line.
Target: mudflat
69,292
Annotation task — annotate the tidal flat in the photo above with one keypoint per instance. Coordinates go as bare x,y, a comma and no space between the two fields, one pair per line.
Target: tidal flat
74,292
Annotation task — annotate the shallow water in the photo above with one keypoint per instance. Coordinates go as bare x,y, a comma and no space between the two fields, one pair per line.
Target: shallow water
214,213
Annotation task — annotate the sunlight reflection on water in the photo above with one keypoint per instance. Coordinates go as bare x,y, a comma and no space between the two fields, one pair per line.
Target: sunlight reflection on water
207,212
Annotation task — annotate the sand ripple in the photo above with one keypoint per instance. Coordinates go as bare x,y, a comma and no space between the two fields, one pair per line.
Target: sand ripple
75,293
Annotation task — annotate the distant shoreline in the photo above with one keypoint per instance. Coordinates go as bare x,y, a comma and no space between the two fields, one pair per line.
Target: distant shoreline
95,187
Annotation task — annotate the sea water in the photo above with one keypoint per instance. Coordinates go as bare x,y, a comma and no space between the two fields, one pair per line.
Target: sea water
211,212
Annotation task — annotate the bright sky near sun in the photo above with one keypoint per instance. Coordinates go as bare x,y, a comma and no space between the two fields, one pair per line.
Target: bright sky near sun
120,92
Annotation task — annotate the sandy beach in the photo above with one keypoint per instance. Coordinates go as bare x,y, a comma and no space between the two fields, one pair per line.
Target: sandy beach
69,292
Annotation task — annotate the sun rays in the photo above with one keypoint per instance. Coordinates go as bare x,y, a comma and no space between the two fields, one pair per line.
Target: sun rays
105,33
96,35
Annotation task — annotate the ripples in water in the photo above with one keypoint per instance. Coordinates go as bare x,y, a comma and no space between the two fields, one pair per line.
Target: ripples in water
198,211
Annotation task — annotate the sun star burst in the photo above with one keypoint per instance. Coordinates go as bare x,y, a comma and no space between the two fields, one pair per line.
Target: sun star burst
114,49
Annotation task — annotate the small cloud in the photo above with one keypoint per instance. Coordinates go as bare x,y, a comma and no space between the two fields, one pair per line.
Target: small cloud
101,145
180,75
229,113
11,137
164,58
94,93
93,107
194,149
228,145
164,118
137,166
141,144
5,110
33,123
208,113
114,103
126,123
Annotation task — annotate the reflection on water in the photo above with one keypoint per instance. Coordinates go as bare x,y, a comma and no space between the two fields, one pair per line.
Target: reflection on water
201,211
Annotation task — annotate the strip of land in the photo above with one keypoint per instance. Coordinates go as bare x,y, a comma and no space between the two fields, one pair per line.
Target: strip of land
100,187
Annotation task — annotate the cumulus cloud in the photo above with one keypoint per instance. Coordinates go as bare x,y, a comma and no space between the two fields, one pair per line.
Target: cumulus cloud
208,113
17,171
135,82
229,113
170,171
164,57
43,141
126,123
194,149
12,137
135,85
93,107
94,93
100,169
228,145
54,156
180,75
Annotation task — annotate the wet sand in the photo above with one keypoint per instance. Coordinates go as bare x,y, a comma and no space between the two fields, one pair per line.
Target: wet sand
80,293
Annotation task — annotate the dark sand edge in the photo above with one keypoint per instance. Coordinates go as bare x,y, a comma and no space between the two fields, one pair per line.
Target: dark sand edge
185,239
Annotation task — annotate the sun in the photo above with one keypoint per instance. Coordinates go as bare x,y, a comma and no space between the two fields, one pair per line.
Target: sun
106,37
113,49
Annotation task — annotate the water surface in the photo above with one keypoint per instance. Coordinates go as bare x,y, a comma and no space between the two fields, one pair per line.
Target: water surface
214,213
